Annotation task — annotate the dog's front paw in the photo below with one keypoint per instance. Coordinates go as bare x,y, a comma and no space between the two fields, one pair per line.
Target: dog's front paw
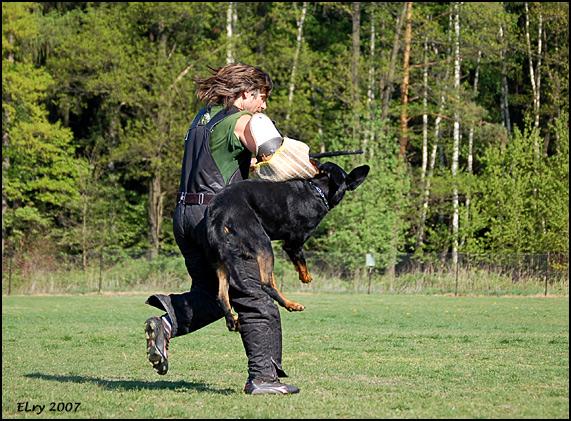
232,323
291,306
305,277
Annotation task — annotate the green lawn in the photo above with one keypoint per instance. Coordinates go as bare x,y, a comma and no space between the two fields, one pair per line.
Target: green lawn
352,355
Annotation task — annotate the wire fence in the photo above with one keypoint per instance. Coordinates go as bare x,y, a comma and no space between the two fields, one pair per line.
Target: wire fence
522,273
112,270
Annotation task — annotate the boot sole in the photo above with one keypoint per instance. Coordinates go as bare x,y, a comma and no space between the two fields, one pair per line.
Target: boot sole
279,390
160,364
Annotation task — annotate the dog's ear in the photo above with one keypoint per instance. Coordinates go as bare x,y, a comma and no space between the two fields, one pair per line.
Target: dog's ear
357,176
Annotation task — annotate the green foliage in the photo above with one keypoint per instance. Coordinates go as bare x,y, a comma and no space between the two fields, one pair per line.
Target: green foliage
97,98
523,198
369,219
40,169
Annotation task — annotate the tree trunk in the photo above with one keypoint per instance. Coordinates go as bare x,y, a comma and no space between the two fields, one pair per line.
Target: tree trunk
5,146
356,38
470,159
534,74
387,80
155,214
371,85
371,91
295,59
471,132
529,54
426,195
229,33
432,163
161,121
538,72
504,90
405,80
456,146
424,113
84,240
5,167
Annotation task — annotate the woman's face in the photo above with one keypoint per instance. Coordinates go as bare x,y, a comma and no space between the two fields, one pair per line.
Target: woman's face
254,101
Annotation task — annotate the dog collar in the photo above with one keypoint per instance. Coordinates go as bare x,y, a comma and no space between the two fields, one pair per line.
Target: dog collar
321,194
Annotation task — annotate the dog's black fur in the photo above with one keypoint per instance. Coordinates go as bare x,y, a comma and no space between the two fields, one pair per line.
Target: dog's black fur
245,217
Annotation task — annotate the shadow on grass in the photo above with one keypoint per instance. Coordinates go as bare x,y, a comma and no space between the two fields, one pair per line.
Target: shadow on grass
112,384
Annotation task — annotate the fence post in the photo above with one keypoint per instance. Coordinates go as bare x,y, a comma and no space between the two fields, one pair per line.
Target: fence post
370,264
10,274
369,288
456,287
545,270
100,270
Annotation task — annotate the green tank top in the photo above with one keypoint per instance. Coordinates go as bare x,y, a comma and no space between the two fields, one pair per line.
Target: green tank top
225,146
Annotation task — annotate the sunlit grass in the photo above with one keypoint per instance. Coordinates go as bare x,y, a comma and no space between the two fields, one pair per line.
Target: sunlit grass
352,355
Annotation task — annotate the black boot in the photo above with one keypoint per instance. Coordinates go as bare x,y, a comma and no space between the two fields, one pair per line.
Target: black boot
275,387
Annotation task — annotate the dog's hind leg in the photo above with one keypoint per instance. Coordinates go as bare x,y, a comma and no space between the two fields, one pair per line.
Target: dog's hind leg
265,258
224,298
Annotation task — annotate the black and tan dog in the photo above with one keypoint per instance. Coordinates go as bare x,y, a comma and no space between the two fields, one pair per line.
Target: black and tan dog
245,217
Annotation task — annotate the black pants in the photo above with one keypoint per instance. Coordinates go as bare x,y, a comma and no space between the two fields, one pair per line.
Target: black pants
259,317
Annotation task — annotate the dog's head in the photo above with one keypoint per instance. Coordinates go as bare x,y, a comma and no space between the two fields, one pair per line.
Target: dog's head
339,181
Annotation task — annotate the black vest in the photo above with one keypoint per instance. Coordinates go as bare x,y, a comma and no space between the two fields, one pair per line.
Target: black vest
200,174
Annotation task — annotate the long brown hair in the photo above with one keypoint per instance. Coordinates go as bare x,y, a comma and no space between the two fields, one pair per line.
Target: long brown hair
228,82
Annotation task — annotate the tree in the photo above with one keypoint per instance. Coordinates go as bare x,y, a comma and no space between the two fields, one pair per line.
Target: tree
105,90
371,221
231,23
456,145
295,62
387,79
404,87
524,201
40,172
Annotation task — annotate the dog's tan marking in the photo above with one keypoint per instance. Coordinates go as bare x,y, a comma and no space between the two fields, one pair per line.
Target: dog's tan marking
304,275
224,298
265,264
226,230
290,305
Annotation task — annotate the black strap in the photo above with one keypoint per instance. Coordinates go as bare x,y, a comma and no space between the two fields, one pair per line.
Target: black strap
202,198
195,198
220,115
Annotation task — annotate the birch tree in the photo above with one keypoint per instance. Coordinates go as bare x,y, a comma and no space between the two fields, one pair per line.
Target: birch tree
231,18
456,135
504,102
295,63
424,163
534,74
371,88
437,132
355,60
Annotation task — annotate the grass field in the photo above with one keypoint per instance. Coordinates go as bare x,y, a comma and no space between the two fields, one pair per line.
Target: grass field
352,355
